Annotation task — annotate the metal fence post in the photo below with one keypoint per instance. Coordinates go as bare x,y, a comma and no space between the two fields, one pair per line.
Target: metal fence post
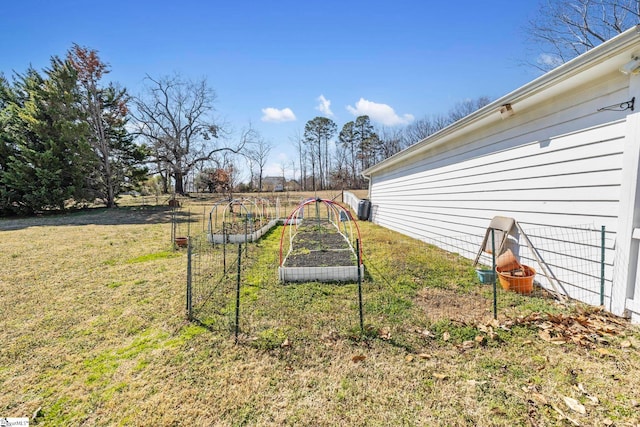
360,286
602,251
189,283
224,249
493,267
173,227
237,329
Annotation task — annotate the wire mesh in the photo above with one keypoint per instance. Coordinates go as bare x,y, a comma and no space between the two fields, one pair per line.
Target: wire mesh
211,283
436,276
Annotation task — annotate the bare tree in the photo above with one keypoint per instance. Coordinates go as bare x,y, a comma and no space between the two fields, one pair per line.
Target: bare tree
422,128
367,141
427,126
464,108
341,174
347,153
284,165
175,117
251,166
258,152
119,159
391,140
302,157
564,29
317,133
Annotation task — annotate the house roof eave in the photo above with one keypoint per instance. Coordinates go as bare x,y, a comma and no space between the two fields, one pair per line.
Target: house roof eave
608,56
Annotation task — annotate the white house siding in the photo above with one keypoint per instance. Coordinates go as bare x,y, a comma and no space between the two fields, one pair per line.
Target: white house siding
556,168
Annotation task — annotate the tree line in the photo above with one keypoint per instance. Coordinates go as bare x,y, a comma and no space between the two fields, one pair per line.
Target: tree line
68,137
328,159
63,137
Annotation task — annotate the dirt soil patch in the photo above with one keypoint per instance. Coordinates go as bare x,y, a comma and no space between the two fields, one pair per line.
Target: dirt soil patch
464,307
319,246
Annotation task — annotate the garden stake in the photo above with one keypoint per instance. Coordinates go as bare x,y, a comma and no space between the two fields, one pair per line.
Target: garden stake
360,286
246,236
238,293
602,236
493,266
189,294
224,248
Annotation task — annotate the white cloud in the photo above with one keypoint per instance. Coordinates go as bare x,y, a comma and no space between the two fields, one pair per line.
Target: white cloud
548,60
271,114
381,113
325,106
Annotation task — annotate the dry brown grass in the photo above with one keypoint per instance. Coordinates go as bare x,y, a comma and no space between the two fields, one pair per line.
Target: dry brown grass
94,333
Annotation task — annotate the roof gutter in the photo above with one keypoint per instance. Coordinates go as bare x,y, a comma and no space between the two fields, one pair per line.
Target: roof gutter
490,112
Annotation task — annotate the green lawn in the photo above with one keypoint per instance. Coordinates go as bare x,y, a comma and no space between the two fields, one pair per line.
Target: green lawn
94,333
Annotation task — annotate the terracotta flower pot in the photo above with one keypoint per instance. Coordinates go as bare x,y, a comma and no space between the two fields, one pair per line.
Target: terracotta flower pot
517,280
181,241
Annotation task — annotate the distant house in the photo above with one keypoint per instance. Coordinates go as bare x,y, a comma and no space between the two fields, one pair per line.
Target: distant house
560,155
270,183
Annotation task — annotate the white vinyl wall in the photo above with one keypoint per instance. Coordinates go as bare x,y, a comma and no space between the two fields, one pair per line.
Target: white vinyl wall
556,169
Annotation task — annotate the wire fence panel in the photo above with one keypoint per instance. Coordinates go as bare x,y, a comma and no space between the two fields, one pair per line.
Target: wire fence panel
574,256
212,283
240,288
577,260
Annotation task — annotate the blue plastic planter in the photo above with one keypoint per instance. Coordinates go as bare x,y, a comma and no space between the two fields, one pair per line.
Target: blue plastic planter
486,276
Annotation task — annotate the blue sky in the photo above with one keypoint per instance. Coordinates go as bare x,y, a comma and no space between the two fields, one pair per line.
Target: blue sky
279,64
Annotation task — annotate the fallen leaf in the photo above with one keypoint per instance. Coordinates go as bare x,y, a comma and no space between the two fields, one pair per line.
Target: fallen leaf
480,339
603,352
564,416
593,399
497,411
540,399
441,376
408,358
385,334
545,335
285,343
474,382
358,358
625,344
527,342
575,405
545,325
425,356
427,334
446,336
468,344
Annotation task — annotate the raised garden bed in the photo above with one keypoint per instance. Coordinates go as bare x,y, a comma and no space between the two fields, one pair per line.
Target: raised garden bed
240,220
320,247
233,236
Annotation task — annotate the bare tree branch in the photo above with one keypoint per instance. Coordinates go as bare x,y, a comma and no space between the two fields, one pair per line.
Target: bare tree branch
565,29
175,118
